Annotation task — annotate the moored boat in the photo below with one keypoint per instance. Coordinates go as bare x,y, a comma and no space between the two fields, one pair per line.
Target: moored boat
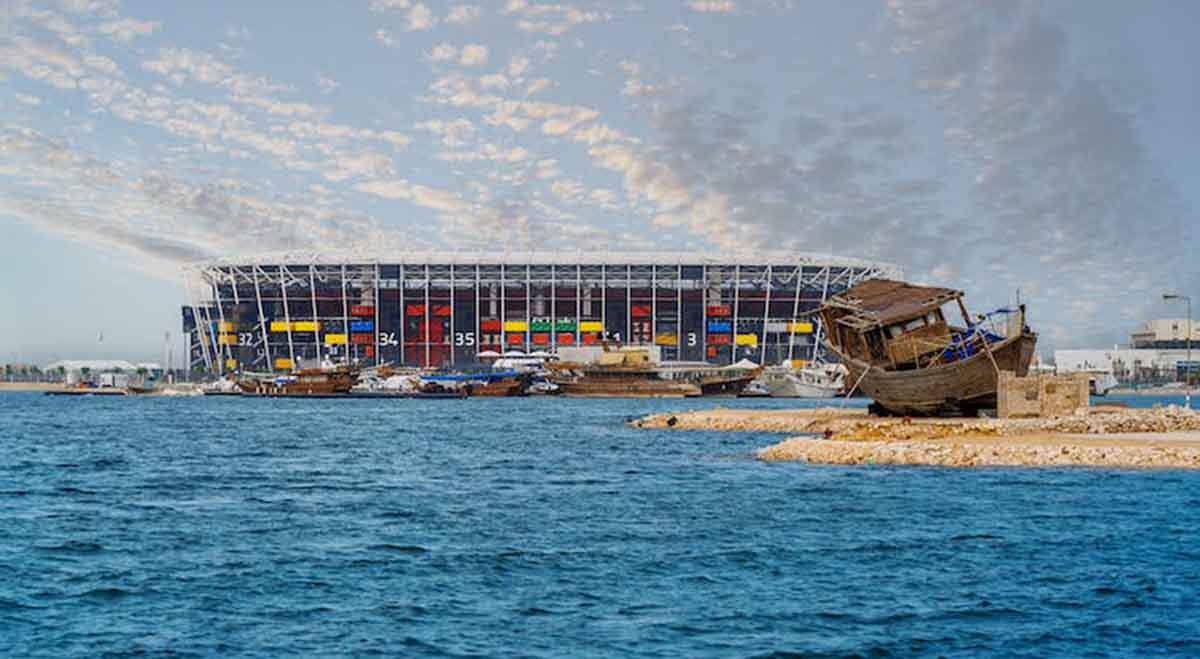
899,349
808,381
619,372
326,381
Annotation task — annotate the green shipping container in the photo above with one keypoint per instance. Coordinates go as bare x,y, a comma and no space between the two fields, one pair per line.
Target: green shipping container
540,326
565,325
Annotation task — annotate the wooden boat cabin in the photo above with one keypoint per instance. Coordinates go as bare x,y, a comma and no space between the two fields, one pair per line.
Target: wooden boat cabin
895,325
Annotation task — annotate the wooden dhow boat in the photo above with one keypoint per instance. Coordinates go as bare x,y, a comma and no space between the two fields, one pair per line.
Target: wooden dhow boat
899,349
325,381
619,372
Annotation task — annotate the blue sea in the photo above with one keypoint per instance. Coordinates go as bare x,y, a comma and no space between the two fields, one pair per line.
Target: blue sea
547,528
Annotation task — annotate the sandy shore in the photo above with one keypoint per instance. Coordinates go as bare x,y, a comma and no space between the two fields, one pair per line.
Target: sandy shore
1160,437
30,386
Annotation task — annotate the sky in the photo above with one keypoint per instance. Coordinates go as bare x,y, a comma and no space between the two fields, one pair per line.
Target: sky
1046,147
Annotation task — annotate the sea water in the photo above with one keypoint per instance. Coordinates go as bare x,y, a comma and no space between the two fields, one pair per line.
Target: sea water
547,527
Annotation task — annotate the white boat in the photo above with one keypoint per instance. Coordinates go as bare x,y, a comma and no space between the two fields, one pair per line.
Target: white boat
1101,382
808,381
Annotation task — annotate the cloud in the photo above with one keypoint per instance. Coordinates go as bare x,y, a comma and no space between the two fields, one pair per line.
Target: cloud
463,14
389,5
420,195
327,85
442,52
713,6
474,55
128,29
420,18
385,37
28,99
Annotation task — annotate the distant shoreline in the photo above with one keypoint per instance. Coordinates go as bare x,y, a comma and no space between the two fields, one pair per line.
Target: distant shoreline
30,386
1150,391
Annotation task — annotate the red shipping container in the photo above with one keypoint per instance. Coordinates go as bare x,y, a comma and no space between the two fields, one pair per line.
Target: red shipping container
591,339
718,339
362,310
712,351
440,310
719,310
370,351
541,339
489,325
362,339
641,309
566,338
516,339
416,310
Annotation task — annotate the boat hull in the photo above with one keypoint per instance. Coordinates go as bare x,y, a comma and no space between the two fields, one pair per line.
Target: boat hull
630,389
962,387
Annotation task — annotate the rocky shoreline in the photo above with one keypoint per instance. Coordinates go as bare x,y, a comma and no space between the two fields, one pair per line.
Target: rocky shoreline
1161,437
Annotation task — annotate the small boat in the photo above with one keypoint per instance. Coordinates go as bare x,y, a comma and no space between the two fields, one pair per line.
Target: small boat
620,372
755,389
222,387
324,382
899,349
484,383
808,381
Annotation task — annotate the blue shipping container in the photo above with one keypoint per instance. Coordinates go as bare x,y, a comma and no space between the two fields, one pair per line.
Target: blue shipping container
720,326
362,325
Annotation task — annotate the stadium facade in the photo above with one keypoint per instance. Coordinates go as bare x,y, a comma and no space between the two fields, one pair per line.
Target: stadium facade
435,309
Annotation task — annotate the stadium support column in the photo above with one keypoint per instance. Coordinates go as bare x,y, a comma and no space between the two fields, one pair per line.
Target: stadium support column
553,307
375,322
604,301
345,318
679,312
478,331
503,309
312,296
628,304
795,314
287,312
222,348
820,324
262,319
578,301
425,333
737,287
704,310
199,325
762,351
528,306
453,334
654,304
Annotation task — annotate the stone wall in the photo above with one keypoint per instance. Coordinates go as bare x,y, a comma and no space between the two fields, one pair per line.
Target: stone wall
1040,395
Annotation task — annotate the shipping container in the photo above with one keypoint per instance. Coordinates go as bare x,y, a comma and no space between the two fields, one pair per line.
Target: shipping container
489,325
362,310
591,326
718,339
283,362
515,326
541,325
362,326
335,339
416,310
305,326
231,364
516,339
566,338
226,326
747,339
719,310
641,309
440,310
565,325
541,339
227,339
362,339
590,339
719,327
777,327
279,326
665,339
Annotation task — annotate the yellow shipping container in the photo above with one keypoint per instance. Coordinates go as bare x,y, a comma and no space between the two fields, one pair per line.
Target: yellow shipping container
279,326
283,362
747,339
591,326
305,325
515,326
227,326
231,364
798,363
666,339
800,328
335,339
227,339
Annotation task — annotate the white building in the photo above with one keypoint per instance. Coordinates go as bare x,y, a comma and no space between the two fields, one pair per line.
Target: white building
1164,333
1126,364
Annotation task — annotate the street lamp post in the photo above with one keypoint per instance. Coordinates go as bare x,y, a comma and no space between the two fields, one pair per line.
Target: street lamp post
1187,370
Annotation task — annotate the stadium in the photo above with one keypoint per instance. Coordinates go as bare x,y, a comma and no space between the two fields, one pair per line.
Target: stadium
441,309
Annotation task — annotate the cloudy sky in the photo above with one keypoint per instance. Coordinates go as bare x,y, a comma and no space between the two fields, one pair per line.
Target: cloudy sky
1043,146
